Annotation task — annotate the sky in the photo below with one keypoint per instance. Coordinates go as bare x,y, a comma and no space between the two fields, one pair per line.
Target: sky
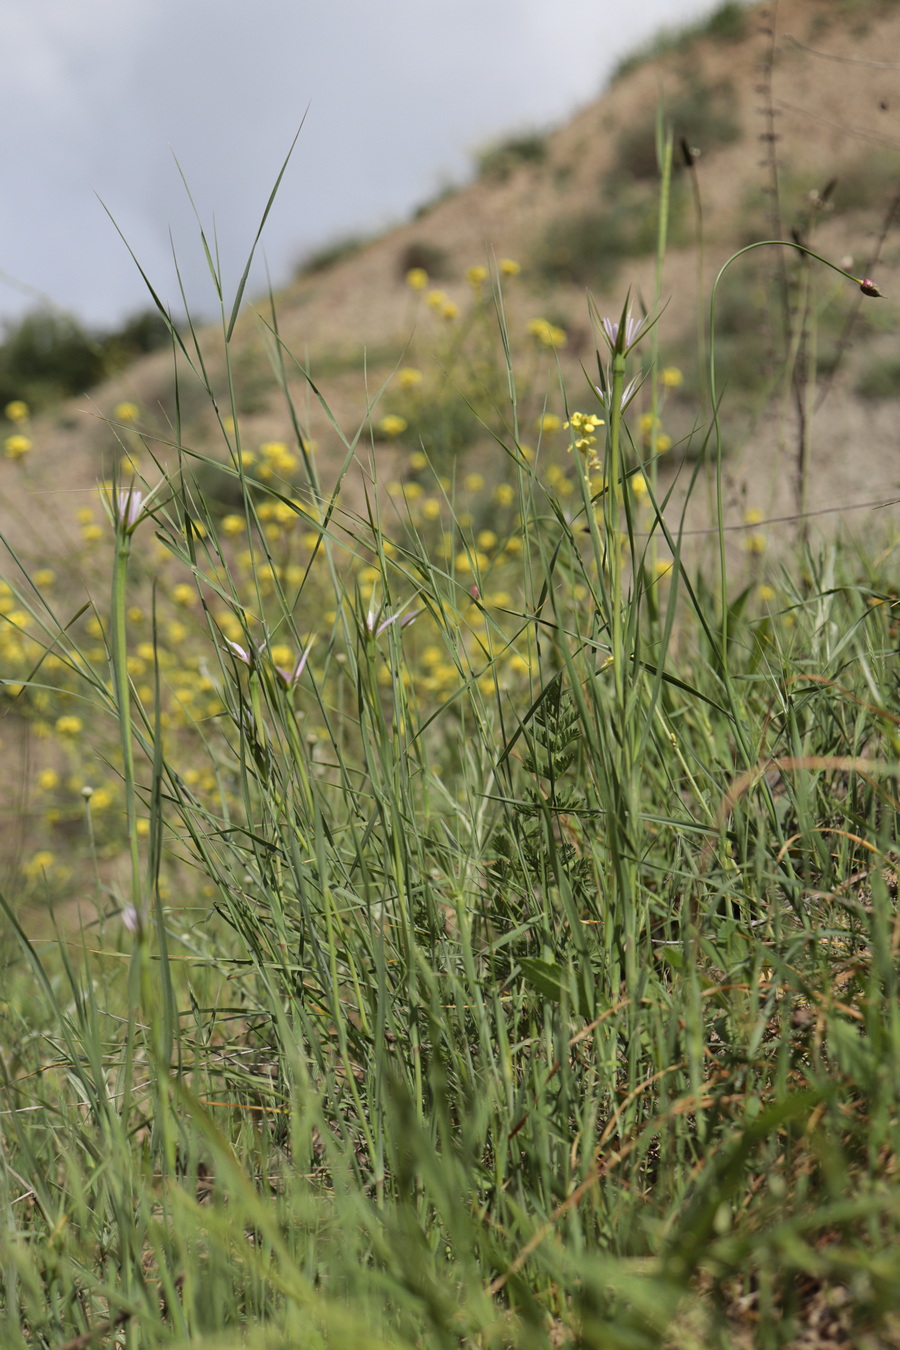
109,107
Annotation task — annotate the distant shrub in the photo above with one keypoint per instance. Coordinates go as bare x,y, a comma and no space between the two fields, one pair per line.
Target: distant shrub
727,24
137,336
47,356
418,253
499,161
867,181
323,259
587,249
701,114
880,379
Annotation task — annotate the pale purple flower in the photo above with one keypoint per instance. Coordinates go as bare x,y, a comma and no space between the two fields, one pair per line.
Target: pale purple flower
237,650
132,919
628,392
291,677
288,677
634,331
376,622
129,503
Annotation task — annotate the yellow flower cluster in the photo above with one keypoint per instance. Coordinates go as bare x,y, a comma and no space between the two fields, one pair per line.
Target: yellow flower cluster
583,425
277,460
442,305
546,333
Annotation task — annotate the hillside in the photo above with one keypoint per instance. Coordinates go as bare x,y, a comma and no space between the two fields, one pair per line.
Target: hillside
576,210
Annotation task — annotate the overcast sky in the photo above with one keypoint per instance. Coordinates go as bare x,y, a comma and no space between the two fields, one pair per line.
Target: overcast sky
100,97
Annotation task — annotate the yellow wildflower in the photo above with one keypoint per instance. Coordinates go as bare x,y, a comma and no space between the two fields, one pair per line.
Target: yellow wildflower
16,446
17,411
392,425
38,864
69,725
183,594
546,333
126,412
476,277
671,377
509,267
409,377
417,278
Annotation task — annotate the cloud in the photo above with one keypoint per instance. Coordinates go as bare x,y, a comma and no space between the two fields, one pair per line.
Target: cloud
99,97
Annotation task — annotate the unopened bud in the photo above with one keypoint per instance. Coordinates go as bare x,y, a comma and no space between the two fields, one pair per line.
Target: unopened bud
868,287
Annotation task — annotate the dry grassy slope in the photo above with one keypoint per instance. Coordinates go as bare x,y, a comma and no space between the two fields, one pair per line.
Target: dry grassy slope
832,109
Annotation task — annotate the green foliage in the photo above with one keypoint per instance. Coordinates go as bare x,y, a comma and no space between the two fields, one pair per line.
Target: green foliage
497,162
47,356
137,336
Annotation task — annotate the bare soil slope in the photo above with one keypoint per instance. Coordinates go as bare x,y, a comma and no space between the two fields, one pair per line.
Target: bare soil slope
809,94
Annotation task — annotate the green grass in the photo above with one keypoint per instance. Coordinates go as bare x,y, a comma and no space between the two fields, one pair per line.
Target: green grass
501,945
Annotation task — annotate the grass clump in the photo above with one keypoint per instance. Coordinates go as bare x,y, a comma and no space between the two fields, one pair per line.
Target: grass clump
500,945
